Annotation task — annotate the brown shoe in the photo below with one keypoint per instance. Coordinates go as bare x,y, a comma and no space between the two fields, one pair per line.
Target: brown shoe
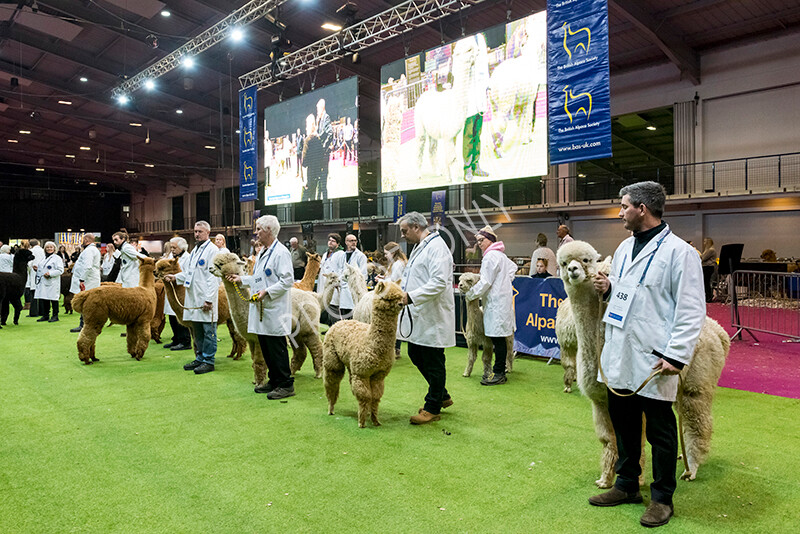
657,514
447,403
424,417
615,496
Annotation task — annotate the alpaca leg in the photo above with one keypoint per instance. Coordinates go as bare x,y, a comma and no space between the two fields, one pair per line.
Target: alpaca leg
331,378
473,355
141,335
17,303
510,354
568,362
314,345
377,383
4,309
131,339
362,389
605,433
298,357
239,342
259,365
86,340
698,423
488,356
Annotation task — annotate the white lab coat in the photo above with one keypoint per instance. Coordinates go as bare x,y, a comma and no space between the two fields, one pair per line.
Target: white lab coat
203,286
183,262
476,91
87,268
129,269
6,263
548,254
397,271
496,292
49,288
666,315
328,263
38,255
108,263
273,271
343,298
428,280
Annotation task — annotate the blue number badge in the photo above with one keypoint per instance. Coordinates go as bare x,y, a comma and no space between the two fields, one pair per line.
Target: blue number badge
201,262
268,271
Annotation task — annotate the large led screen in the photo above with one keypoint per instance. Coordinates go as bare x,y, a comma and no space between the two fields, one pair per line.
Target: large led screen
470,111
311,145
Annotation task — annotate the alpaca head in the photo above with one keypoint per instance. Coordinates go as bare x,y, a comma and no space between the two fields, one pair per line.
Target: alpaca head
147,264
167,266
225,264
388,297
332,280
467,281
313,258
22,257
579,263
352,274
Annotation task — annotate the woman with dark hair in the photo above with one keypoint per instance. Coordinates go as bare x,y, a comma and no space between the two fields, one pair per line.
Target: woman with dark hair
63,254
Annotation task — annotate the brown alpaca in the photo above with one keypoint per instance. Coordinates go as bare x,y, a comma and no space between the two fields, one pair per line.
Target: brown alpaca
159,320
176,295
310,274
132,306
366,350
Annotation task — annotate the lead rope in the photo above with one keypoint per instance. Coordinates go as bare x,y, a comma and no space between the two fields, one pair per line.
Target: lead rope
410,320
171,285
643,384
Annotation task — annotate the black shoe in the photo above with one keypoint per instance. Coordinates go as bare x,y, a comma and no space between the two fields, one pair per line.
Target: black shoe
169,345
42,319
203,368
192,365
76,329
180,347
656,514
266,387
53,319
281,393
615,497
123,335
494,379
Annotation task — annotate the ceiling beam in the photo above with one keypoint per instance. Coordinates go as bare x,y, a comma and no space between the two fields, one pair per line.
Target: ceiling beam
671,44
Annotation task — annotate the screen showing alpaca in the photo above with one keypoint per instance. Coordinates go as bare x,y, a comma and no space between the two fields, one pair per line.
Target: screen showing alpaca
471,110
311,145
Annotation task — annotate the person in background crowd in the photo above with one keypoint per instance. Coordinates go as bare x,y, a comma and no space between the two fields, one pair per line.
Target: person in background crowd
397,262
352,256
221,243
108,261
709,261
86,271
74,256
328,262
654,318
201,301
496,292
428,323
541,269
166,253
181,337
543,251
564,235
271,312
6,259
38,256
128,257
64,255
299,258
48,282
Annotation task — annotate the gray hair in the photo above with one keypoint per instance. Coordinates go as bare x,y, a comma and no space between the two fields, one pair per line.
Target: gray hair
180,243
5,249
293,240
33,242
651,194
51,243
414,218
269,222
204,225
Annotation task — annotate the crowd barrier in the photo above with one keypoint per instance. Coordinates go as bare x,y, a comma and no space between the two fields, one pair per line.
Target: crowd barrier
765,302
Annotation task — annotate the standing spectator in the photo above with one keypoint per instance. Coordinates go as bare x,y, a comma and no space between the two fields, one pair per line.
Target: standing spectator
48,282
543,251
352,256
181,338
655,314
709,261
38,256
128,256
6,260
74,256
329,260
271,312
564,235
313,156
200,304
324,130
62,252
428,322
108,261
220,241
299,258
496,291
86,271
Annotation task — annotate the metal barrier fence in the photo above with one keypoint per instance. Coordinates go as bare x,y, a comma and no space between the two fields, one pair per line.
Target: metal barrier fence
765,302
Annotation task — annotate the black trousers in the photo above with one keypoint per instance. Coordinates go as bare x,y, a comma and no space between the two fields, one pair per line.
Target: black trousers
276,355
45,305
430,362
662,434
180,334
34,310
708,271
500,354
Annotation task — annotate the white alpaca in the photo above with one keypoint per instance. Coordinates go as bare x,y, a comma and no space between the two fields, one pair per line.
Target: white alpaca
579,263
568,341
332,284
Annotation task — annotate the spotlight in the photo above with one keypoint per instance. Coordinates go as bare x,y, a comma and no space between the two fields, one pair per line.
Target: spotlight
84,79
237,35
179,111
149,85
123,99
651,127
356,60
165,13
188,62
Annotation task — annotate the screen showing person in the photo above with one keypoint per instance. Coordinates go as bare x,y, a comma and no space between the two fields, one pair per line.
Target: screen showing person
311,145
472,110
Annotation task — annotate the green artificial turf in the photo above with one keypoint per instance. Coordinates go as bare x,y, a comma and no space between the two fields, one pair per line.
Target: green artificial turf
127,446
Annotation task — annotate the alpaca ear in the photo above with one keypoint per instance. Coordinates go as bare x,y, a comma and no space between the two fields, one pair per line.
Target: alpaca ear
380,287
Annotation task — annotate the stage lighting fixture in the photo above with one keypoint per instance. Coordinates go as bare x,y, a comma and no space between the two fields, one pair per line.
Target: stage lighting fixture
151,40
355,58
237,35
123,99
651,127
84,79
331,26
165,13
188,62
149,85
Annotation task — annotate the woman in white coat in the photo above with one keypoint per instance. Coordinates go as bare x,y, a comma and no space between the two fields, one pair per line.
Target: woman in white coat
271,307
397,264
48,282
129,260
181,338
86,271
6,260
107,263
494,287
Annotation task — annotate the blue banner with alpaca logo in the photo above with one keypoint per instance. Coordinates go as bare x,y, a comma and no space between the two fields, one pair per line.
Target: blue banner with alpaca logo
248,143
536,302
579,99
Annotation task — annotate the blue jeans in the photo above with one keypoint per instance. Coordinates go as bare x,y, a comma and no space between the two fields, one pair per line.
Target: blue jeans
205,336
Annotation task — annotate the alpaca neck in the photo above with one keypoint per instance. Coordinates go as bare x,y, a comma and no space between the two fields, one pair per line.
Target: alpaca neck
586,310
240,309
473,307
21,268
310,274
147,278
175,292
383,328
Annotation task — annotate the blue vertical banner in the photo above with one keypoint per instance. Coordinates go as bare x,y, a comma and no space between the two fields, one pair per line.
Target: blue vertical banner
579,98
438,207
399,206
536,302
248,144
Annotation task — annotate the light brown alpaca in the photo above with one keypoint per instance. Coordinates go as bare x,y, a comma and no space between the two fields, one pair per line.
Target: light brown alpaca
176,295
356,283
331,285
310,274
159,320
366,351
579,263
133,307
474,332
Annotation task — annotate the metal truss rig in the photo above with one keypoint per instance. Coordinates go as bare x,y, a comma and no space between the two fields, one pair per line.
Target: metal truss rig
243,16
382,27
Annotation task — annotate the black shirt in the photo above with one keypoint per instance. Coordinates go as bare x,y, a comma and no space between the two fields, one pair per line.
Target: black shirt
642,238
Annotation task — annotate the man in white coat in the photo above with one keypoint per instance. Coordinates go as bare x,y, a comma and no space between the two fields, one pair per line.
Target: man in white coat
428,321
270,314
655,313
86,271
328,262
181,338
38,256
129,258
200,303
495,290
343,299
